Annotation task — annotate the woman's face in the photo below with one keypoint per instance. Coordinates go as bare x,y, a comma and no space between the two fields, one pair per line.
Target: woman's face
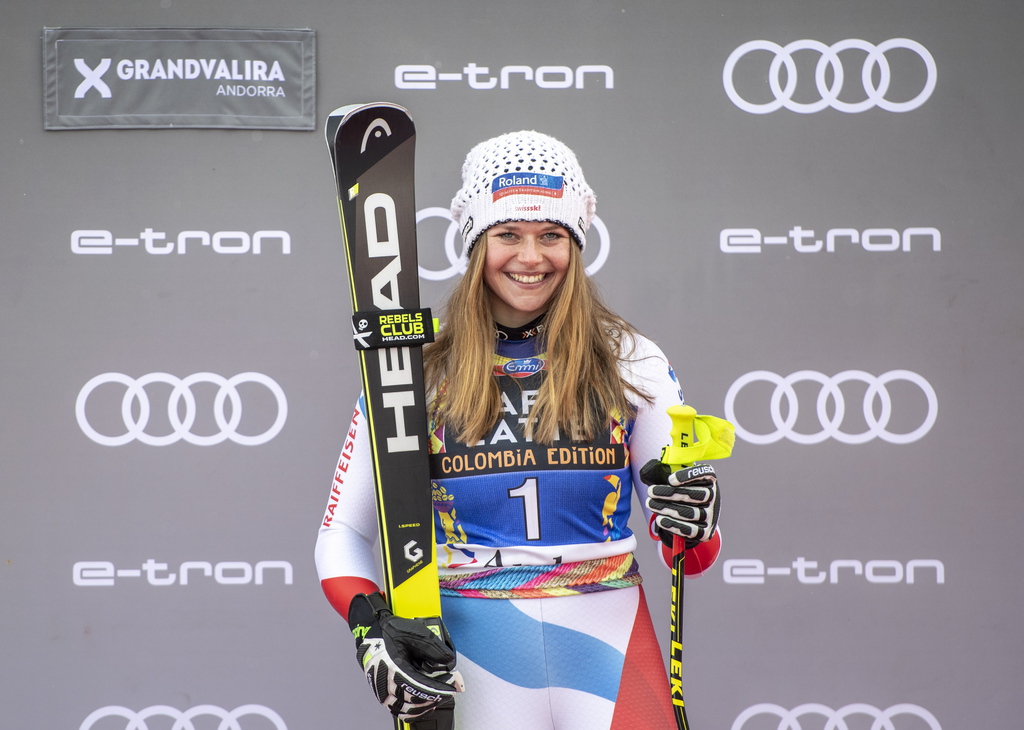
525,264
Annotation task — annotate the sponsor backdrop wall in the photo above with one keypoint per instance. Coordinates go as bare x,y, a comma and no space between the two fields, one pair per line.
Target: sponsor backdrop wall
813,207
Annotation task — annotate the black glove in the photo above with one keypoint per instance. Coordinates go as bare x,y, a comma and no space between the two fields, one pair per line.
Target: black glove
411,670
686,502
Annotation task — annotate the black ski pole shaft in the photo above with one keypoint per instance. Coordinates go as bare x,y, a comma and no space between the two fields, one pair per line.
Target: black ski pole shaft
675,455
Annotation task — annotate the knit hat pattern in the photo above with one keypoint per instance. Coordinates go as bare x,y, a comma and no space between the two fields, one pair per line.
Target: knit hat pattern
522,176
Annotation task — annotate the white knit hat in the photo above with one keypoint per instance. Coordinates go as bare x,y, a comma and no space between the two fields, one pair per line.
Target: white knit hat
522,176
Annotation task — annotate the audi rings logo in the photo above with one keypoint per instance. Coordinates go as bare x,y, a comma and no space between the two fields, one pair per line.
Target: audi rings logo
183,720
830,390
181,426
457,258
829,92
836,719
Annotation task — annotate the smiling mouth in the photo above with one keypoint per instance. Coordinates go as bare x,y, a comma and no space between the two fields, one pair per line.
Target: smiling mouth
526,278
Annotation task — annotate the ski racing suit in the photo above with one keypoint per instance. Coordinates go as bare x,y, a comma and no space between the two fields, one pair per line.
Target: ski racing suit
539,587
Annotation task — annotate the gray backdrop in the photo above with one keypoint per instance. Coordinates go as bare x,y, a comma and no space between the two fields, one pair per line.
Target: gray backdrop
869,576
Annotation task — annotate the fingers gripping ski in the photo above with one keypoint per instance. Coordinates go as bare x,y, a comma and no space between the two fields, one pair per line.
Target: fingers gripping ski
410,669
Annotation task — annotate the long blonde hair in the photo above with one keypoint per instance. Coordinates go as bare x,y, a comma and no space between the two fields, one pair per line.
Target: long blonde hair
584,341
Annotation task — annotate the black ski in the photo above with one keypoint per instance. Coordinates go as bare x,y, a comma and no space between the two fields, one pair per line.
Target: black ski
372,150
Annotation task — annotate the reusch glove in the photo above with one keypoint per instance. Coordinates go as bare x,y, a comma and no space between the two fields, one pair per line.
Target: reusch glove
411,670
686,502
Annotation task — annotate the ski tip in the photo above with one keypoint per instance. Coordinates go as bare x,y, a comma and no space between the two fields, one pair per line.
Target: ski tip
336,118
340,117
344,111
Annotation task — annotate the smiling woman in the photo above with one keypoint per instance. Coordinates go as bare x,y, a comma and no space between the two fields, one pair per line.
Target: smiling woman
543,407
526,263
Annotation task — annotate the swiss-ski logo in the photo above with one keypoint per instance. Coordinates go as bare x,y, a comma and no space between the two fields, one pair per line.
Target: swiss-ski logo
549,186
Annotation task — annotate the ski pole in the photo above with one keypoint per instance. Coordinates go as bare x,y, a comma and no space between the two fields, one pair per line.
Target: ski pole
715,441
676,456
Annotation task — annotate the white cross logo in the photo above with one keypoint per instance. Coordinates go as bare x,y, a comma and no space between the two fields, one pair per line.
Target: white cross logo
360,337
92,78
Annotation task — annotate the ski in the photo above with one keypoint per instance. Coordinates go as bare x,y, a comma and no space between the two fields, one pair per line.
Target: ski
372,149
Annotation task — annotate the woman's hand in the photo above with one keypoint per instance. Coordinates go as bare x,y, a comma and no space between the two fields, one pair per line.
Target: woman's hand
686,502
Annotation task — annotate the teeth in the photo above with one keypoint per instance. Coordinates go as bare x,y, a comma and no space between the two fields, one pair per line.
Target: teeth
525,279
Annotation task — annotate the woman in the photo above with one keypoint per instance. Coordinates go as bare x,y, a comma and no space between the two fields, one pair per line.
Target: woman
545,405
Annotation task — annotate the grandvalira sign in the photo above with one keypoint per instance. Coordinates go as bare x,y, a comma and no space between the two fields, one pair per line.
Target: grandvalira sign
97,78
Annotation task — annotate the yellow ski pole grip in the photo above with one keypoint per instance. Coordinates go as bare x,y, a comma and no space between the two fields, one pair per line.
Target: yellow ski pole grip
677,453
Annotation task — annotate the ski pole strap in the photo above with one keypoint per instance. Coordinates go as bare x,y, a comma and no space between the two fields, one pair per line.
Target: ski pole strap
712,438
392,328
